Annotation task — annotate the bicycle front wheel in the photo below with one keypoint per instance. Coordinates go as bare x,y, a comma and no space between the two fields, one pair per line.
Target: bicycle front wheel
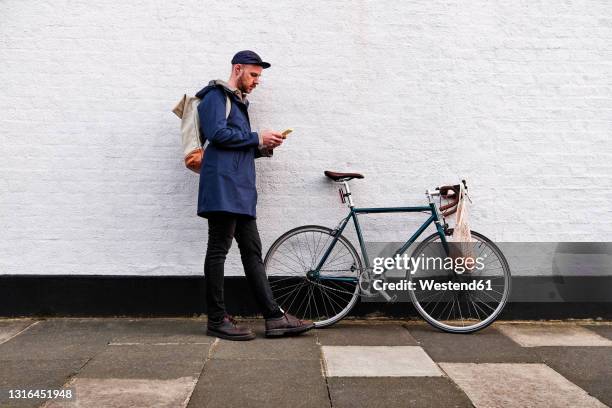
324,296
461,302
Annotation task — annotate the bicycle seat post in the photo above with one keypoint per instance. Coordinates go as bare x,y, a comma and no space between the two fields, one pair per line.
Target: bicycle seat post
347,193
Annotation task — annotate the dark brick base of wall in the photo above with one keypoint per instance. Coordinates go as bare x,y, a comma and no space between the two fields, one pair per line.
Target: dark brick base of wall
46,296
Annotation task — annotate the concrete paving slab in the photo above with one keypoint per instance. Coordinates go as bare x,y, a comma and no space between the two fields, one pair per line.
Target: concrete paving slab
53,351
13,327
394,392
33,375
485,346
111,392
351,334
540,335
517,385
604,331
161,331
378,361
261,383
162,362
58,339
588,367
302,347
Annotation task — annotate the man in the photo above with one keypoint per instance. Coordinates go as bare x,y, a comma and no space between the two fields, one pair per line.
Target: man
228,197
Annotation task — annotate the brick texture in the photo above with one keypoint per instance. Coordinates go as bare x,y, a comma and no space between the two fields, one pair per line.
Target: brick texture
516,97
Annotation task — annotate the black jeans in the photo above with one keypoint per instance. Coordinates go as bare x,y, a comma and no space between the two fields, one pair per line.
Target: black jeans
222,229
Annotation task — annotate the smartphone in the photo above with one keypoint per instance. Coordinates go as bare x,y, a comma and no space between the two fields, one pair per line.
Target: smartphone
286,132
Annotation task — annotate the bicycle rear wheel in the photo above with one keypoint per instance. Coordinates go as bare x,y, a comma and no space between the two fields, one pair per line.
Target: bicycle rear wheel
323,296
472,300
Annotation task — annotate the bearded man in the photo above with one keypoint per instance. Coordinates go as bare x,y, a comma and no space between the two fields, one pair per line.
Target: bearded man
228,197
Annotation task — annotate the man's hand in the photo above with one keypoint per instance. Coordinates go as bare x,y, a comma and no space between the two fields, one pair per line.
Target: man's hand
271,139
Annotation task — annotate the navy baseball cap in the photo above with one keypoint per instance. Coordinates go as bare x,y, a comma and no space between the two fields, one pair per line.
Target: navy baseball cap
249,57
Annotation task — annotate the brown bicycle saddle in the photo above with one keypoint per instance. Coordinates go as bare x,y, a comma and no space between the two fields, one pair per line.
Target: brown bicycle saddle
336,176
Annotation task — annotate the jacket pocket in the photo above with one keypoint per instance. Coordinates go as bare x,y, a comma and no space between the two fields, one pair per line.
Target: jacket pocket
225,162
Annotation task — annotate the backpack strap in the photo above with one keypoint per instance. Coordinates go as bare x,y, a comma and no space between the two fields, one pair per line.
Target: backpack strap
228,108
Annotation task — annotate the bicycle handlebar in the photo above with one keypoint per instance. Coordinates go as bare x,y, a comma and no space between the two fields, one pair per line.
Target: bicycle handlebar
449,192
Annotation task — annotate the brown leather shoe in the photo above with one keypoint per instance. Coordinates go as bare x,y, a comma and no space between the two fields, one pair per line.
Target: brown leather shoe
287,325
228,329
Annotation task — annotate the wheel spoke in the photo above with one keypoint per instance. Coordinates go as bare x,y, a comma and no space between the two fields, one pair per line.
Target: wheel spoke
309,293
463,311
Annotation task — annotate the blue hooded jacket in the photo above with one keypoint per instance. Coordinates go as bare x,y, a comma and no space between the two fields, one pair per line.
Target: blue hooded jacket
227,176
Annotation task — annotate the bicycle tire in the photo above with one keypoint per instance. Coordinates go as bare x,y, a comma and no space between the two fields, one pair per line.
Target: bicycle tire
291,273
478,305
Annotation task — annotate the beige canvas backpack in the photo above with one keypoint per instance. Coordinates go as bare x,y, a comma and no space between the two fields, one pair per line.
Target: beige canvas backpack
193,148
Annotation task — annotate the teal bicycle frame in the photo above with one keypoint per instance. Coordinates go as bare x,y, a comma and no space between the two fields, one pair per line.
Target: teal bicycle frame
433,218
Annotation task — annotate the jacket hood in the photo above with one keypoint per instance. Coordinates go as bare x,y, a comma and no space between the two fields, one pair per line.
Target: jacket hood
217,83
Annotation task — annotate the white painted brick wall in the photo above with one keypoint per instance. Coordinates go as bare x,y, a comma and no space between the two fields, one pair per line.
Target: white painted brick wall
514,96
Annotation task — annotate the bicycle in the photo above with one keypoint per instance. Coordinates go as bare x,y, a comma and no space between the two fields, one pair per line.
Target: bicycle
316,273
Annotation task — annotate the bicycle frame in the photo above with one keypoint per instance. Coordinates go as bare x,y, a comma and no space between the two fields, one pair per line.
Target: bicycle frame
433,218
